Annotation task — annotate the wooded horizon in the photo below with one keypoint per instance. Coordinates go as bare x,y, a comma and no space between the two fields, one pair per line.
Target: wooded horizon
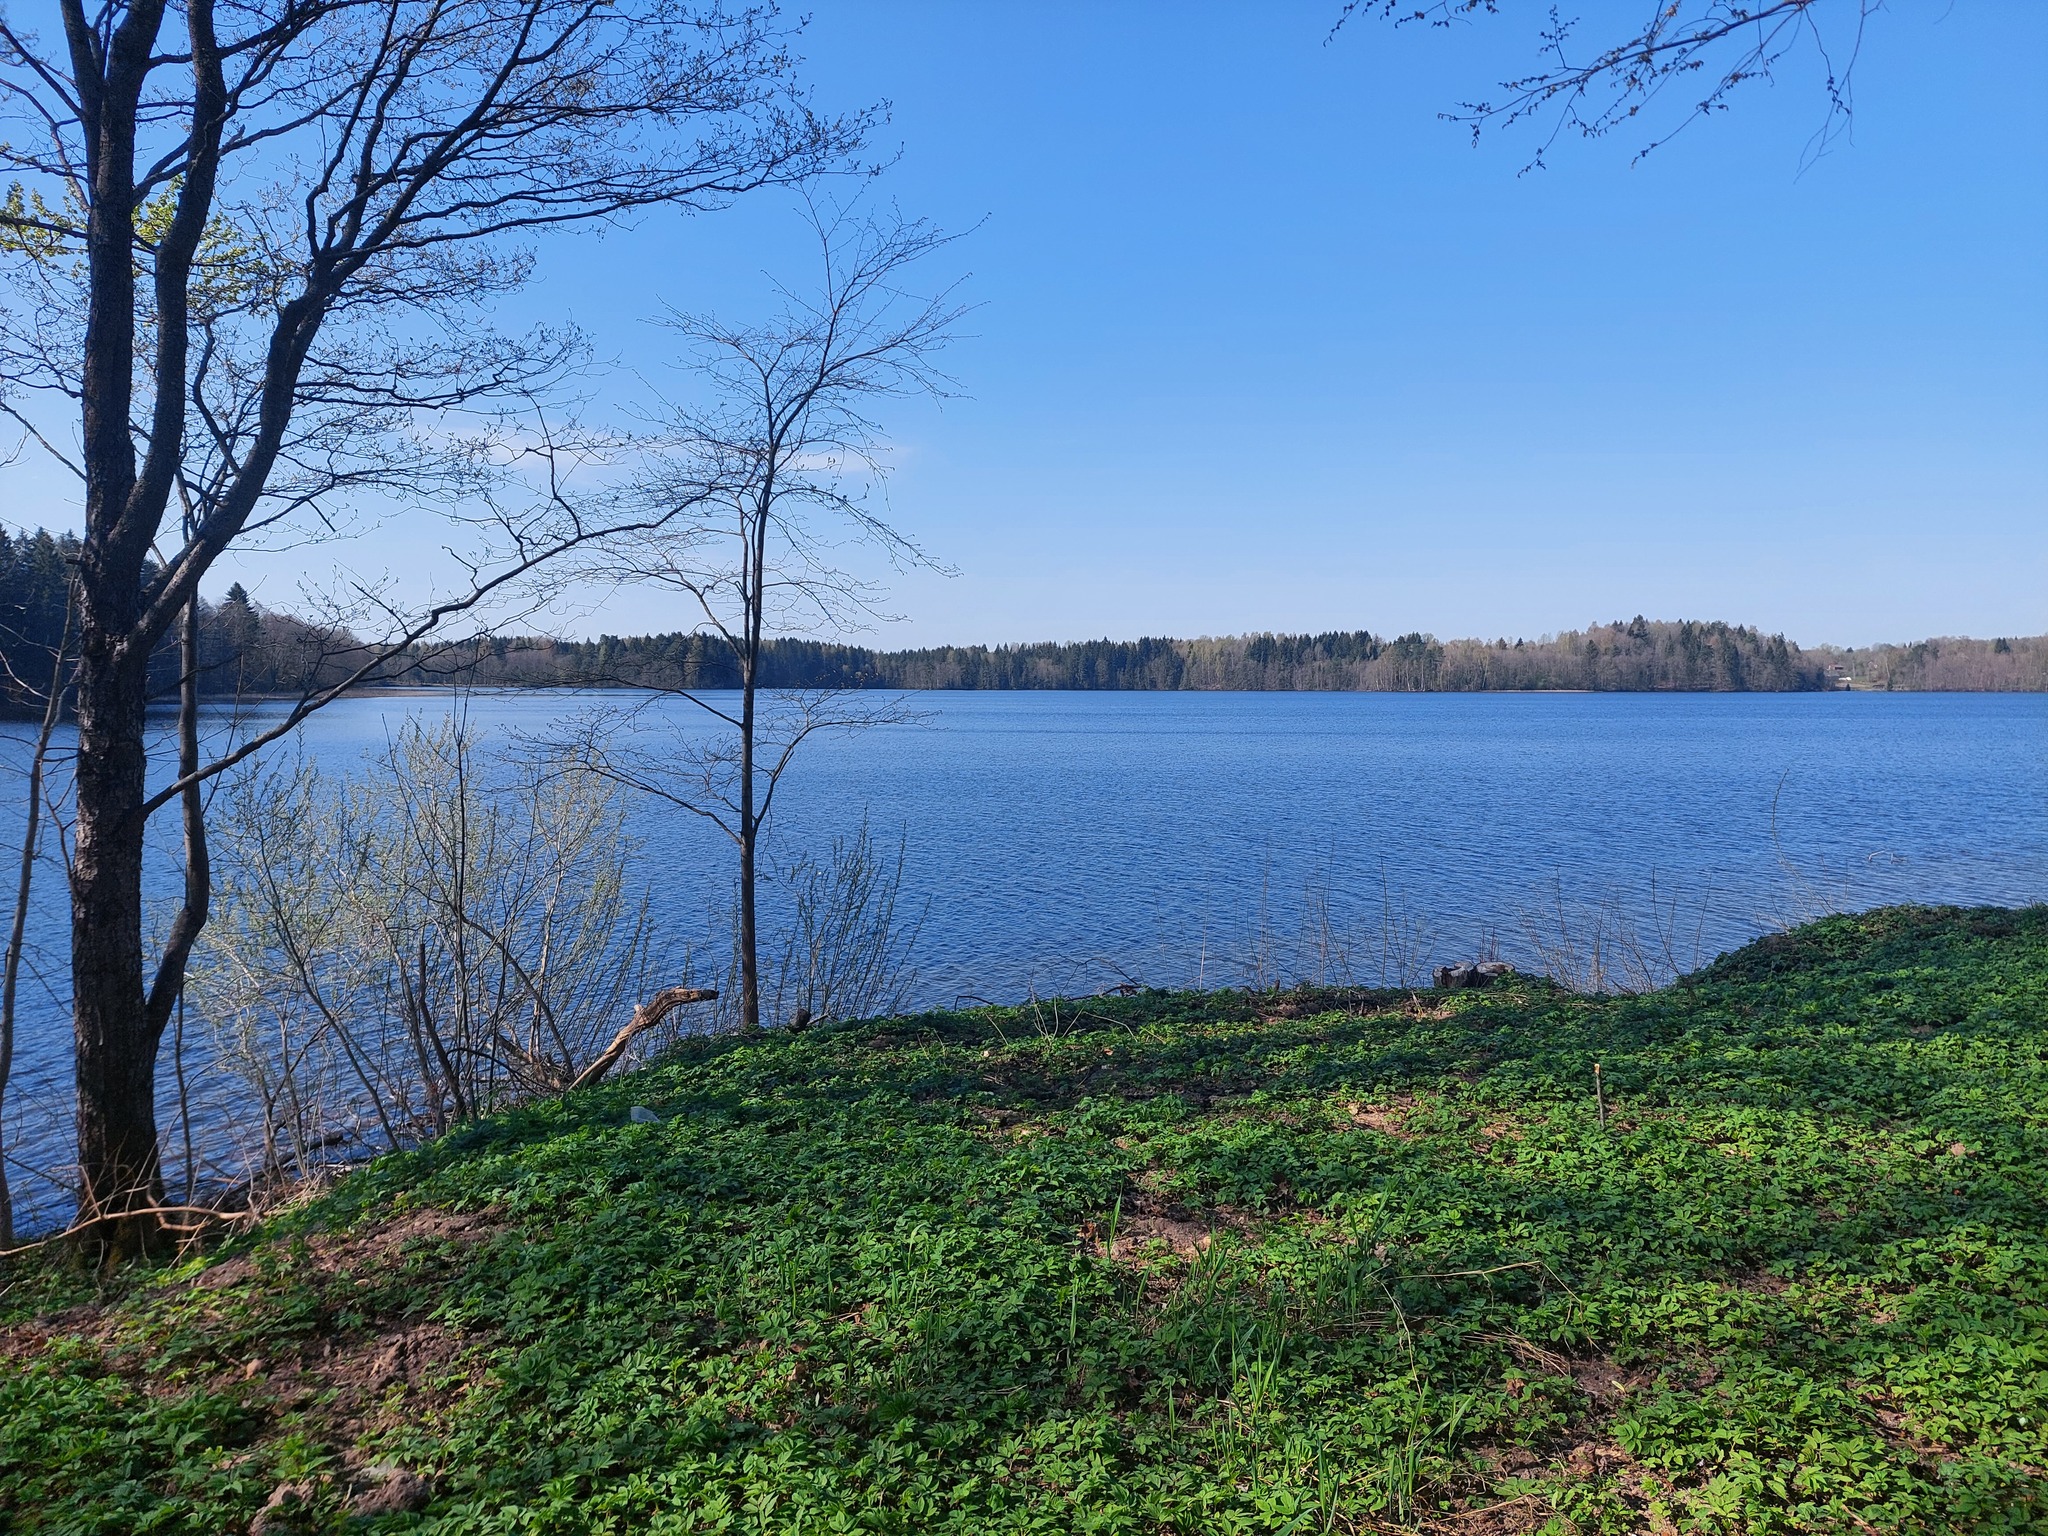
1636,655
249,649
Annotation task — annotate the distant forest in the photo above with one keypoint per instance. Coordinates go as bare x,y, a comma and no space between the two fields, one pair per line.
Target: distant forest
252,650
242,648
1637,655
1634,656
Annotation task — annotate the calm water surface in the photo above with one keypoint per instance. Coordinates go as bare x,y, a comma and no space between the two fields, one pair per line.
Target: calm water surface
1067,841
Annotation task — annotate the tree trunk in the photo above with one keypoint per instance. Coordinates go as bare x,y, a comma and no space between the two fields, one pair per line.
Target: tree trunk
120,1173
118,1167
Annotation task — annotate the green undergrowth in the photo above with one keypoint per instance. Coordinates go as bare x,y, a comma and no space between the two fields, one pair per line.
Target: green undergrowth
1173,1262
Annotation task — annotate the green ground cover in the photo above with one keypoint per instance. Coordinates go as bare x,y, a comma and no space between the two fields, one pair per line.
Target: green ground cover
1174,1262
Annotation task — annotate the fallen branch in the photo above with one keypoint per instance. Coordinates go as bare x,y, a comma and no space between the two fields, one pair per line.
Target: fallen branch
646,1016
207,1215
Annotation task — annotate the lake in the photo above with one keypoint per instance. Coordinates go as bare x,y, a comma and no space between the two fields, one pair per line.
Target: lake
1067,842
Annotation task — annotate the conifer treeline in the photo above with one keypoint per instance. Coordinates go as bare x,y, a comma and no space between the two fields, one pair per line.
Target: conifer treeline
242,648
34,570
1639,655
248,649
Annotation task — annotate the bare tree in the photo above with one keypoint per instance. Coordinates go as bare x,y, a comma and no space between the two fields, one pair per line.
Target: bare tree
847,952
442,935
1704,50
787,457
1625,941
17,933
253,245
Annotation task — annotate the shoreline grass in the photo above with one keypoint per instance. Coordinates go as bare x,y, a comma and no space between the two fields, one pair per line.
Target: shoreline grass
1334,1260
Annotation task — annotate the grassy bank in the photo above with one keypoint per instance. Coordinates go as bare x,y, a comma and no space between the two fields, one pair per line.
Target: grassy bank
1190,1263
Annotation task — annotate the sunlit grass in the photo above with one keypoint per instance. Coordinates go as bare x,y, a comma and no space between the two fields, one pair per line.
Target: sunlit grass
1176,1262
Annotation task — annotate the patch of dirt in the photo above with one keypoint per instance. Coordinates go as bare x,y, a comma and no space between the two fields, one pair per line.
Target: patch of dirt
1519,1516
1593,1455
1590,1458
372,1247
349,1387
350,1382
1762,1280
1586,1454
1311,1002
1384,1118
1476,1506
367,1494
97,1326
1604,1381
388,1491
1186,1238
24,1341
1187,1233
1599,1378
355,1384
1897,1429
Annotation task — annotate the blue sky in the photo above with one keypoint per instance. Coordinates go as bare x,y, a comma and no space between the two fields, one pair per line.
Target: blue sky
1263,344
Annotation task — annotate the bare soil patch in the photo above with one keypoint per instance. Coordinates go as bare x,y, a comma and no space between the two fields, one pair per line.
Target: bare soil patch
1604,1381
356,1385
1506,1517
1187,1233
351,1382
1386,1118
1764,1281
22,1342
381,1245
1311,1002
